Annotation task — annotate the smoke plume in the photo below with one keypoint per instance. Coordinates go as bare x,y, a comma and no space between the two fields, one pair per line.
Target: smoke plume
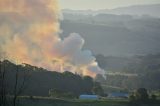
29,34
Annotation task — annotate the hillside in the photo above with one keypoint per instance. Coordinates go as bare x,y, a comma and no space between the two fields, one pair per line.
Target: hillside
131,72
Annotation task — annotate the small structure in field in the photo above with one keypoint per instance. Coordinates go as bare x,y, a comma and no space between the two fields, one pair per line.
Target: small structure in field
118,95
89,97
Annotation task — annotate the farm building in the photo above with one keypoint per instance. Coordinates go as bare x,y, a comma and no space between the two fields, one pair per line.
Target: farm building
90,97
118,95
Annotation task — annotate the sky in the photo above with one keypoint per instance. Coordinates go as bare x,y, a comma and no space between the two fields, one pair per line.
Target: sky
101,4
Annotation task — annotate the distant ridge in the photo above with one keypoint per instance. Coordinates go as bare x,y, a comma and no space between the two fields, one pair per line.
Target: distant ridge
150,9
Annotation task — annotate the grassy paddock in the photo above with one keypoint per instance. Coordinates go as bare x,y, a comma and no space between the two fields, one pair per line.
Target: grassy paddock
46,101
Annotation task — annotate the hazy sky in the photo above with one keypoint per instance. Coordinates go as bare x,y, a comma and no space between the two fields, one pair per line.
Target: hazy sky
101,4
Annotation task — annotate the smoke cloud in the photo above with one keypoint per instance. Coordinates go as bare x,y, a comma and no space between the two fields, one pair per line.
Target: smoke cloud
29,34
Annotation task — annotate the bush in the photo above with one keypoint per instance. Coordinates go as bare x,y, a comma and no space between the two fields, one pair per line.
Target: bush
132,97
55,93
153,97
141,95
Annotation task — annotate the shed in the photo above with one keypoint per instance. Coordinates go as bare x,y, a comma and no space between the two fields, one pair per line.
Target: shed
89,97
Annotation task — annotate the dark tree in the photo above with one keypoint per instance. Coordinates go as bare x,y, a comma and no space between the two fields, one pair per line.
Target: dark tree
97,89
88,84
141,94
2,85
21,78
12,81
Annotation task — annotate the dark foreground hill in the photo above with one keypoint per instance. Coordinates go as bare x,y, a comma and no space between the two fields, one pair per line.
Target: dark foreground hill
36,81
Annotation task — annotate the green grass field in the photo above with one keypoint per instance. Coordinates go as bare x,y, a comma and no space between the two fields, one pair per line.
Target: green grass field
62,102
73,103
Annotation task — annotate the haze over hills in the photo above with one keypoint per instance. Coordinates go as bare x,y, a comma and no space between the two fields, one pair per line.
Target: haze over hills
116,35
124,38
150,9
127,40
119,36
